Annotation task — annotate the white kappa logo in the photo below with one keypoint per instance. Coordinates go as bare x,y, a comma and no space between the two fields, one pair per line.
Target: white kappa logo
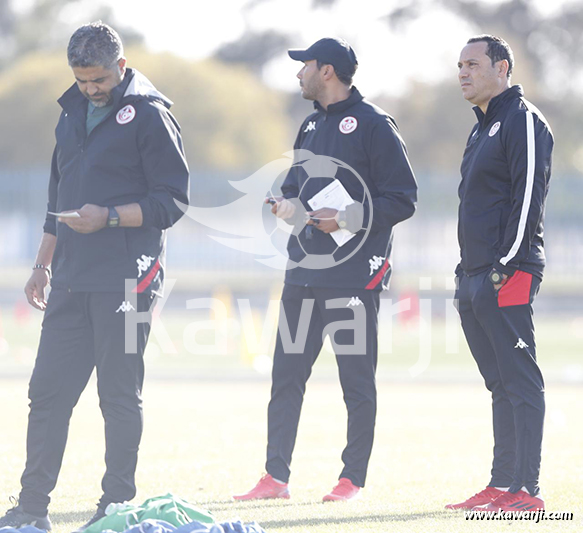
354,302
143,263
375,263
310,127
125,115
126,307
495,127
521,344
347,125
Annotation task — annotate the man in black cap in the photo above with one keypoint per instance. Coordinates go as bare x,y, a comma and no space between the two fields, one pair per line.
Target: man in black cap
347,145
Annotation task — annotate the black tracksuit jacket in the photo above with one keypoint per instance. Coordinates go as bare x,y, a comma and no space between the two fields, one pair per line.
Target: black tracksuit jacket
123,160
376,151
505,171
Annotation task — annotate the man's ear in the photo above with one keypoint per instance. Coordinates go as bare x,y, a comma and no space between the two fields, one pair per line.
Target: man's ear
503,68
327,72
121,63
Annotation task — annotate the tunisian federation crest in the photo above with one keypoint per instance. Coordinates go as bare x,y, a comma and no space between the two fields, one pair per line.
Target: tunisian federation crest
347,125
125,114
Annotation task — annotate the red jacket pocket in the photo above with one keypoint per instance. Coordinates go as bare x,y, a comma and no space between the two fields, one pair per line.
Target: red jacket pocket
516,290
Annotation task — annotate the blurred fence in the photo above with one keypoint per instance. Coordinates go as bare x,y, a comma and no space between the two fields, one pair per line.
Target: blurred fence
425,245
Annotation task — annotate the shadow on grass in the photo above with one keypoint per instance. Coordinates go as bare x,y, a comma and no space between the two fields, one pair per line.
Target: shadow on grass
388,517
72,516
220,505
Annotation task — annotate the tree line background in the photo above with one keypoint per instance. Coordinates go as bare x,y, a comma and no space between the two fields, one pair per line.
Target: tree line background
233,122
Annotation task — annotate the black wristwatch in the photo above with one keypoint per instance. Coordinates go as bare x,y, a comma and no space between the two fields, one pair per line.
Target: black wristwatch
113,218
496,277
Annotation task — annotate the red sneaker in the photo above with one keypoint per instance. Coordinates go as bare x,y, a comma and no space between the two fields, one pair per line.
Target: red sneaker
345,490
521,501
484,497
266,488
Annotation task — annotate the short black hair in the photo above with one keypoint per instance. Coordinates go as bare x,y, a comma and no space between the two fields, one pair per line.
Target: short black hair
343,77
95,44
498,49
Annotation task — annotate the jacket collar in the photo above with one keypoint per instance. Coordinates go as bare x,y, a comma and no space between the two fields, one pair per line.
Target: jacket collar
140,86
73,99
498,102
133,85
340,107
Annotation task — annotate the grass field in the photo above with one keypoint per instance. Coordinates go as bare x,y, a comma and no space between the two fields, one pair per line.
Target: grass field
205,433
559,341
206,441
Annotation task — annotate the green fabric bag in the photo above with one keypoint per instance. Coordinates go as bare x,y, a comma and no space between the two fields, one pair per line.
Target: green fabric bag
170,508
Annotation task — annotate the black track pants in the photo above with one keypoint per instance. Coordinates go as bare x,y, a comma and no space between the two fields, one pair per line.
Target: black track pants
82,331
344,311
500,333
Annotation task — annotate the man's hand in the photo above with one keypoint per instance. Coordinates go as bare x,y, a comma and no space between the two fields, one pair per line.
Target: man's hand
327,221
92,218
282,208
498,286
35,288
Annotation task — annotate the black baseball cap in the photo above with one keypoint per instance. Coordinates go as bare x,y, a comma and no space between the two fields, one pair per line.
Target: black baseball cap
335,52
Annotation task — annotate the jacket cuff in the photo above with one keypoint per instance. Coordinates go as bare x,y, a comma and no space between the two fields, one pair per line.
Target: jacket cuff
352,215
147,213
50,226
505,269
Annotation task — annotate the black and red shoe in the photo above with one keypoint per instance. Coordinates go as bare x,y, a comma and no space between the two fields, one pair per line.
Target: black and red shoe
521,501
484,497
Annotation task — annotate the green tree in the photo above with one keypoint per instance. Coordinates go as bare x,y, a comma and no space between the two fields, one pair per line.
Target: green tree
229,119
42,26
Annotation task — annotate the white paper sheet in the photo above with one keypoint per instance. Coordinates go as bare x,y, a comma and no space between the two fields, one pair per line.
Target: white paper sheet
74,214
334,196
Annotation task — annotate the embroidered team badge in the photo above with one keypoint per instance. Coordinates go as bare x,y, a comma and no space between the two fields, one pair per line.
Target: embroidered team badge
347,125
125,115
494,129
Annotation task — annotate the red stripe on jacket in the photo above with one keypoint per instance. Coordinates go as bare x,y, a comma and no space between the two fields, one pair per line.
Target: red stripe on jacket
142,286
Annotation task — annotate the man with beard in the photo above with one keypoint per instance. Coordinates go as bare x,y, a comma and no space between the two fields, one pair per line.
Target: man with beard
117,169
365,153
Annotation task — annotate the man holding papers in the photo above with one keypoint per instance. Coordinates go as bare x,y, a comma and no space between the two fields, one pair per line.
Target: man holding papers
350,184
117,168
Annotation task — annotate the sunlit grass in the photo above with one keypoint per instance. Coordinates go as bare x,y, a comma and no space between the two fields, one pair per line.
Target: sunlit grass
205,441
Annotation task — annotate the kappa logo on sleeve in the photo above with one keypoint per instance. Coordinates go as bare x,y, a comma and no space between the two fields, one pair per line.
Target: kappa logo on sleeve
125,115
348,125
375,263
143,263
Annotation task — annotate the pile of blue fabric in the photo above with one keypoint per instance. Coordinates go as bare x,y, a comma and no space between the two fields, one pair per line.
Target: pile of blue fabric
25,529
